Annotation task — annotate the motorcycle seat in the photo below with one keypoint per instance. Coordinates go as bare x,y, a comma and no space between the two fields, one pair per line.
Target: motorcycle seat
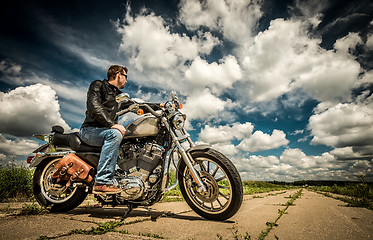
73,141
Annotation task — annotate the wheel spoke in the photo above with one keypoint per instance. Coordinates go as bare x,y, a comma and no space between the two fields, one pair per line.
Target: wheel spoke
203,167
221,205
226,198
223,187
221,178
215,171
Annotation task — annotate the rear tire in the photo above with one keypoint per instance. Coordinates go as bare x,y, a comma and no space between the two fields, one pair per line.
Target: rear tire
225,193
48,193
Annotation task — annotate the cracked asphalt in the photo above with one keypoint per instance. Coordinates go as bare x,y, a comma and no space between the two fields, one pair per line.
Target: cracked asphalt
313,216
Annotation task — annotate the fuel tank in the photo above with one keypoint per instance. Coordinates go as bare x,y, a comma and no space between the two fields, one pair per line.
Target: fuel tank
145,126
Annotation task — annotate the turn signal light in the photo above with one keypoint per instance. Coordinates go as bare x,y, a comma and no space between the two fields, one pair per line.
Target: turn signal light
140,112
181,106
30,158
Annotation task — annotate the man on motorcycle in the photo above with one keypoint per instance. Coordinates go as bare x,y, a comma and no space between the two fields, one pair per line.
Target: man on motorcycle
101,128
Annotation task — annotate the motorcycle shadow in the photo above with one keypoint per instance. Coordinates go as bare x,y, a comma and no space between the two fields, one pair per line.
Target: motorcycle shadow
118,213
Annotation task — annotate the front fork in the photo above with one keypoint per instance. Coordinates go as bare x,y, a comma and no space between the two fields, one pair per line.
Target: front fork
186,156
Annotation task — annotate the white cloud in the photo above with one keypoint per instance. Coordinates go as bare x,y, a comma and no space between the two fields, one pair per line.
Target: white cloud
348,153
347,43
216,76
17,147
344,125
151,44
227,133
227,149
295,157
294,164
260,141
310,8
369,42
362,168
29,110
235,19
249,142
284,58
203,105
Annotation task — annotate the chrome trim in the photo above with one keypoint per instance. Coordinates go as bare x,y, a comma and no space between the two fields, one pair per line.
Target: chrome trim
186,158
40,156
171,187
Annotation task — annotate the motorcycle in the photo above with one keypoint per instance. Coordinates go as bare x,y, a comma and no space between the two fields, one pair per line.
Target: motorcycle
208,180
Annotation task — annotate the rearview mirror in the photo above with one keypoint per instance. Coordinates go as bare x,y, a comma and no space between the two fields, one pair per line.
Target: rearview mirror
122,98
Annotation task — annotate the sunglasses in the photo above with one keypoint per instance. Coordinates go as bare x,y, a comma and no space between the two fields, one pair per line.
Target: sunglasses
123,74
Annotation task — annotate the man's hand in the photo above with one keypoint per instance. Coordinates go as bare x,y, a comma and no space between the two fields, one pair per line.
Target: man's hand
120,128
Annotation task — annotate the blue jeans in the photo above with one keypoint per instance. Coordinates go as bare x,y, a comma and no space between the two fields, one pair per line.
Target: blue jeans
110,140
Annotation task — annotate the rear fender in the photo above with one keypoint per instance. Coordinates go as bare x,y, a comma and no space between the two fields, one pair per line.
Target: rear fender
40,157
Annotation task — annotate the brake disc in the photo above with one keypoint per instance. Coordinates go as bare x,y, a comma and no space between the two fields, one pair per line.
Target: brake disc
212,187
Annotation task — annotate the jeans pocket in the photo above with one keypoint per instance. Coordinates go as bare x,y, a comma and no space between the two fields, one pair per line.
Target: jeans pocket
85,135
91,136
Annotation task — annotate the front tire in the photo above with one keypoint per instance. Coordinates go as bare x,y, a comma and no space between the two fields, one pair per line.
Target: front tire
224,186
57,196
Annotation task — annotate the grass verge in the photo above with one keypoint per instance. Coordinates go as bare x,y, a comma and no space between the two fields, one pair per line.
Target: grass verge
357,195
15,183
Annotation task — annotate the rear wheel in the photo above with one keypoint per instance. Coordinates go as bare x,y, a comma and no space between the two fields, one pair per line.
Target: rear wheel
224,194
57,196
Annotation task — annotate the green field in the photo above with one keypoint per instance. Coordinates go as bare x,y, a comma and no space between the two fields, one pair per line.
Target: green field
15,183
359,194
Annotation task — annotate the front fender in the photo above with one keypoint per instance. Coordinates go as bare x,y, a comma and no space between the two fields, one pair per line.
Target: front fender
202,147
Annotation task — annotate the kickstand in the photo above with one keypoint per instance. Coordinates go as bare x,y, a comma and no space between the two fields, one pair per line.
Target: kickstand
128,211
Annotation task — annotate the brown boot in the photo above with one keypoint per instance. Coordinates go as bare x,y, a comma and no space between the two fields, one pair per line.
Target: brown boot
105,189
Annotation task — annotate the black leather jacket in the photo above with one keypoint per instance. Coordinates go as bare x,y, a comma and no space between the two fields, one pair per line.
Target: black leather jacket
102,107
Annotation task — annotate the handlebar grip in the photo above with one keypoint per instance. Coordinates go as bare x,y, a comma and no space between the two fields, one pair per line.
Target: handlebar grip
120,113
150,110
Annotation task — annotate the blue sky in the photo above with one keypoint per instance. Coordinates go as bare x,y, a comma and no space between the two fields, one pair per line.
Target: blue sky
283,88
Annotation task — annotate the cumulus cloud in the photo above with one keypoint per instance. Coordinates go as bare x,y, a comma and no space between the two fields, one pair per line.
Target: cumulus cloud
235,19
16,147
369,42
248,141
345,125
285,58
348,43
151,45
203,105
216,76
362,168
294,164
260,141
29,110
226,133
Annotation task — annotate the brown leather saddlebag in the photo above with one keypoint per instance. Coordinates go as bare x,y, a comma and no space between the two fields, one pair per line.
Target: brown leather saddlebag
71,168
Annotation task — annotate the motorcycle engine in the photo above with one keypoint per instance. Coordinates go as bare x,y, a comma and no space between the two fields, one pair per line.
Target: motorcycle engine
141,166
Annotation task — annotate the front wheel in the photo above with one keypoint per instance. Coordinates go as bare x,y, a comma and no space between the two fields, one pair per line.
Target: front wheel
49,193
224,194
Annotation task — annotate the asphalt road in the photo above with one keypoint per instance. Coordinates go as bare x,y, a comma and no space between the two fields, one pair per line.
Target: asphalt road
313,216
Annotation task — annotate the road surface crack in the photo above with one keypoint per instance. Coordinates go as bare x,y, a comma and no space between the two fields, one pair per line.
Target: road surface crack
281,212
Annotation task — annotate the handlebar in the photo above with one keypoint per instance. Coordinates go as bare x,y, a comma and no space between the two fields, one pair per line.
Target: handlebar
151,110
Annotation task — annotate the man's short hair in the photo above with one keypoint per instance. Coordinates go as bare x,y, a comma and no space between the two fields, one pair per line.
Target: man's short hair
114,70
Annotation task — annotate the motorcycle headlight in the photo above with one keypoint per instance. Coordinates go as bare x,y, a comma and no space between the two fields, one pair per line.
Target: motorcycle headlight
179,121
